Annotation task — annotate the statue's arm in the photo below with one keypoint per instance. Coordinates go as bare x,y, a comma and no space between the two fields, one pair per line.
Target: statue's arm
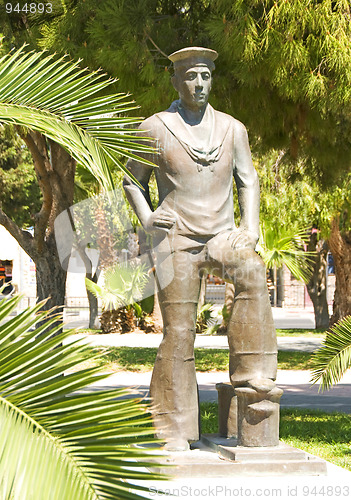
247,185
139,198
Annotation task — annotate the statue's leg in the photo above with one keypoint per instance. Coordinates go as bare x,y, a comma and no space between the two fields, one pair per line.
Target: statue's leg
251,332
252,344
173,387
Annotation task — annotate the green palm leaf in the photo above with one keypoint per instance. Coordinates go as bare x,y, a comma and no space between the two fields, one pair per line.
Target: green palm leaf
58,440
333,359
58,99
279,246
123,285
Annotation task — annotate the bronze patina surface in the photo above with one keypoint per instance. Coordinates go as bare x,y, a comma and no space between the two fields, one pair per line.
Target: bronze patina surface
200,152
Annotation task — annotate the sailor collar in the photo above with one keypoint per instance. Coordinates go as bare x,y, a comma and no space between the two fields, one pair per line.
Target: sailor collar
203,155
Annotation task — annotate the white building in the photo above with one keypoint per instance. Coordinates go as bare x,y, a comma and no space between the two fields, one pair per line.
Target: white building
16,266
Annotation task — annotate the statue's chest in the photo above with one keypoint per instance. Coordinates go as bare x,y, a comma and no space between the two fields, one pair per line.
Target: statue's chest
178,158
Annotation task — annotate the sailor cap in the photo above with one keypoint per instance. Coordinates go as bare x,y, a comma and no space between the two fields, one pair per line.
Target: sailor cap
193,56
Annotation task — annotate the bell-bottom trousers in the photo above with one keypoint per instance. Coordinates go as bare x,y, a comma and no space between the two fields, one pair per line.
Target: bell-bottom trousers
251,332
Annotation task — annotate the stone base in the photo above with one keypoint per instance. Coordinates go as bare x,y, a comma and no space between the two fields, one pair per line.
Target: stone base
215,456
249,414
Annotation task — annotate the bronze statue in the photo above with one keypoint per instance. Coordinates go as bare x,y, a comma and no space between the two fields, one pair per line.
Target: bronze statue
201,150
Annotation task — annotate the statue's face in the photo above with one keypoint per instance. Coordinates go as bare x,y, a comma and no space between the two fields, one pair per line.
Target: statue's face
193,85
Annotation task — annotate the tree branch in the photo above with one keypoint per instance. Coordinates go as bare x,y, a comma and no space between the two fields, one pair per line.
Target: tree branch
37,147
23,238
156,46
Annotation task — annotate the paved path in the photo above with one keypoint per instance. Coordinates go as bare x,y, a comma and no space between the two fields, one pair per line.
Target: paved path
283,318
293,317
298,392
300,343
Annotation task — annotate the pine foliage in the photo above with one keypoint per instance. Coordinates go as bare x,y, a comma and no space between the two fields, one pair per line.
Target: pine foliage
284,67
131,40
288,74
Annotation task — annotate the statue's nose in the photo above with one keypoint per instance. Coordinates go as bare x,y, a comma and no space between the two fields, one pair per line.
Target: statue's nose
198,82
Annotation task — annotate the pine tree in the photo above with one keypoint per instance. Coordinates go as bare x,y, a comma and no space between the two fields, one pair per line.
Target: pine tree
19,192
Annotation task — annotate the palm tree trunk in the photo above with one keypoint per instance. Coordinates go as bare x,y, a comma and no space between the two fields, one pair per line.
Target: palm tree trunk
105,239
275,290
202,295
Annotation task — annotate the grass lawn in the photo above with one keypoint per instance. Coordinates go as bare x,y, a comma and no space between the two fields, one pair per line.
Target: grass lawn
300,332
326,435
142,359
294,360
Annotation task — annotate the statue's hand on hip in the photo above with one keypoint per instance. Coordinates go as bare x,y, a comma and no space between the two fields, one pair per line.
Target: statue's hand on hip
160,219
242,238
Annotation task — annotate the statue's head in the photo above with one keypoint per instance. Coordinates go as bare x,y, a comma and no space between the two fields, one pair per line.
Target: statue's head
192,78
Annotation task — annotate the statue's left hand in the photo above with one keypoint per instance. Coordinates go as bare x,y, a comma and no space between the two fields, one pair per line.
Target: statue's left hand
242,238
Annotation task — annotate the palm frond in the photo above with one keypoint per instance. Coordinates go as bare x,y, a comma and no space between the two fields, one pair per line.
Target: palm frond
124,284
333,359
58,99
279,246
206,322
59,440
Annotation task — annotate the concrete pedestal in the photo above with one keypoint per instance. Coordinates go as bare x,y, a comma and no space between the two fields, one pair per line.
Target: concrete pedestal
252,416
227,410
215,456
